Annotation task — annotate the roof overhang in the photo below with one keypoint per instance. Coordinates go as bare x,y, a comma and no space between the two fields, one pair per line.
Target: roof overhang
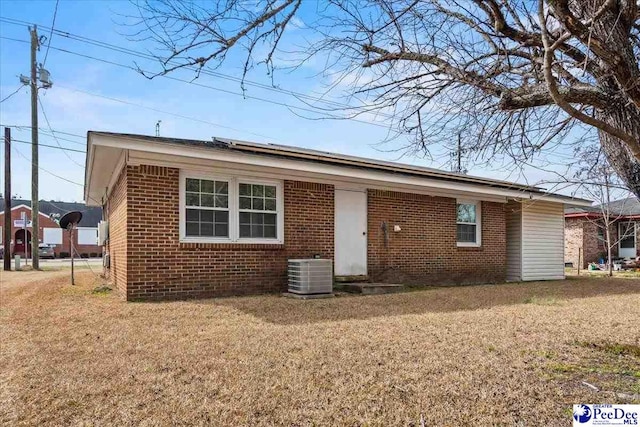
103,164
108,153
23,206
596,215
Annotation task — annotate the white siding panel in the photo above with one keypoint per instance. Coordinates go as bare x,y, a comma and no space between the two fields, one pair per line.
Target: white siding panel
542,241
87,236
513,216
52,236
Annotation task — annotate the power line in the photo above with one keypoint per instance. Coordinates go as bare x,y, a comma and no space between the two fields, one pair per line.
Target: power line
53,24
299,96
20,127
146,107
199,70
282,104
54,135
11,94
191,82
43,132
51,146
51,173
46,170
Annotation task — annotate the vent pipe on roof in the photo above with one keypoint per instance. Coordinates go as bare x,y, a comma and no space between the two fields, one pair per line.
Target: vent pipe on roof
228,143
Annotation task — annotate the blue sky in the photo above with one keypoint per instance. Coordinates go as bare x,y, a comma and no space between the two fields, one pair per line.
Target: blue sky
72,106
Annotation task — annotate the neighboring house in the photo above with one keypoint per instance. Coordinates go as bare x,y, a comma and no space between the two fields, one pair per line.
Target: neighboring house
49,231
210,218
584,232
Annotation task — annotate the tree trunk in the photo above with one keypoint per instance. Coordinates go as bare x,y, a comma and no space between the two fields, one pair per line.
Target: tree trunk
609,244
626,165
614,26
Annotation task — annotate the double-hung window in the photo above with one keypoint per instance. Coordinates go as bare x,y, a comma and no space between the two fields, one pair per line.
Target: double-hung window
468,223
257,207
230,209
206,208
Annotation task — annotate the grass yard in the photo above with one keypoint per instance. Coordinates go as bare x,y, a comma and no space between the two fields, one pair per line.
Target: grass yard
514,354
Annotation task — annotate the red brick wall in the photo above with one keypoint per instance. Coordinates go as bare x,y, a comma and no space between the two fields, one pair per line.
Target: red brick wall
117,245
149,262
583,233
593,248
160,267
425,251
574,241
45,222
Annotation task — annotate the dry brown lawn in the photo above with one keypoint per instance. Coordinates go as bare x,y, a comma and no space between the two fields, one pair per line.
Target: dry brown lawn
513,354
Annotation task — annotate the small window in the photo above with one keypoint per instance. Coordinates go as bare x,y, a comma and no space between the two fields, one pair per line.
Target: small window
468,223
207,208
257,207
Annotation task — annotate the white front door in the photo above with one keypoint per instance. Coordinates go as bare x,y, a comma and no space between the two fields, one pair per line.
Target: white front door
627,245
350,233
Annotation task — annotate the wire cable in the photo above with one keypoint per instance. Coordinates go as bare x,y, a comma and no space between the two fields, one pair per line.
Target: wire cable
54,135
199,70
53,24
80,256
53,174
49,146
48,171
310,109
43,129
11,94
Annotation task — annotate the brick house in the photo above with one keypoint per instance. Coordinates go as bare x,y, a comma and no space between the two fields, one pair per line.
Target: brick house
584,232
85,240
212,218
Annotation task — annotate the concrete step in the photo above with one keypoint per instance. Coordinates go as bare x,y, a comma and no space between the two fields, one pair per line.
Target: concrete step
369,288
351,279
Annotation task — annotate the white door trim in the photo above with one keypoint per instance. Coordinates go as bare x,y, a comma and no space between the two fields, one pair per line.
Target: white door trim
628,252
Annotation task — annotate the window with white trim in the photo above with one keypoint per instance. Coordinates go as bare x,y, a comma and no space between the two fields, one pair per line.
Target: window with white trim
257,207
468,224
206,208
227,209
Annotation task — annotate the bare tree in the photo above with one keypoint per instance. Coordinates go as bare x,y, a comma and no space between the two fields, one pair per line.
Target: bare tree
507,76
598,182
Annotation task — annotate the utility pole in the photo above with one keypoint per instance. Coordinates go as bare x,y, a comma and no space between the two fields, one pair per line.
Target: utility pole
459,170
7,199
35,208
456,158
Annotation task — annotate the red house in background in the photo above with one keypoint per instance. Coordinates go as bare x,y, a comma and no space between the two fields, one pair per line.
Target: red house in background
49,232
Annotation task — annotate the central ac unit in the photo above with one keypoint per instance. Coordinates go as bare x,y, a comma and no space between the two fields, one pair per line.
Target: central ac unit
310,276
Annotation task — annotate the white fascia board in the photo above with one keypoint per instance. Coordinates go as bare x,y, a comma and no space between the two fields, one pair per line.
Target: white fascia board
122,162
554,198
94,191
184,157
89,168
405,184
557,198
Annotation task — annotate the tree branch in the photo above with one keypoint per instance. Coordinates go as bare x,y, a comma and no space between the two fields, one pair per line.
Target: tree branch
537,96
634,144
469,77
